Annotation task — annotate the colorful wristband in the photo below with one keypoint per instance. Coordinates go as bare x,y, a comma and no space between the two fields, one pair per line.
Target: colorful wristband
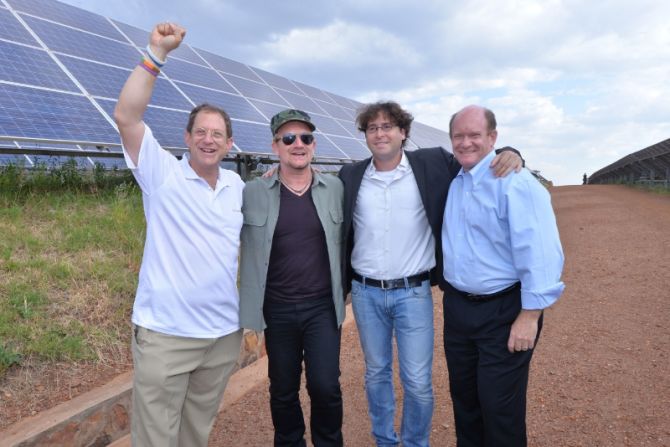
149,66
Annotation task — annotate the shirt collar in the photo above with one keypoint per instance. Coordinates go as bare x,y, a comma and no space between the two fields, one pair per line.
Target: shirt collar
317,178
481,168
221,182
402,167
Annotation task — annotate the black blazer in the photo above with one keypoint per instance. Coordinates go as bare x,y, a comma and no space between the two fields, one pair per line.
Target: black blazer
433,169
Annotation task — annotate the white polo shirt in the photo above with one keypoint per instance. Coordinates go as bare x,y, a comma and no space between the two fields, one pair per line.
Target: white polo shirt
188,278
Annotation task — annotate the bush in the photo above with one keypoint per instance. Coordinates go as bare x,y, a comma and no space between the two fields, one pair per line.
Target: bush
64,177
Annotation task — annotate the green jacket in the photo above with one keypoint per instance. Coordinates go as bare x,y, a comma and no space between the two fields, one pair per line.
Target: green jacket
261,211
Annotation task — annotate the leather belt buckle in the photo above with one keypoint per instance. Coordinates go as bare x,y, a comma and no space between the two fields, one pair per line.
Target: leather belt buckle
390,284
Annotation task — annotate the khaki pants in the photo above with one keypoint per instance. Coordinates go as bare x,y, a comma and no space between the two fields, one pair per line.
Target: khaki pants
178,385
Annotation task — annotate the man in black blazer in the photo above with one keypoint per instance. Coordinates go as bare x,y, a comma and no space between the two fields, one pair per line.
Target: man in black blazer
393,209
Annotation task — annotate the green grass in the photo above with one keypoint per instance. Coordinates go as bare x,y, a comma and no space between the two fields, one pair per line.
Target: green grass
657,189
70,251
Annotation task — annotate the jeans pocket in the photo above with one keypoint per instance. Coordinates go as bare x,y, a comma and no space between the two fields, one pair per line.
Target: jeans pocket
356,288
422,291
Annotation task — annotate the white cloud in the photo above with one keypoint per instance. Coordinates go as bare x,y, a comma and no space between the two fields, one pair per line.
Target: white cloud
506,23
337,43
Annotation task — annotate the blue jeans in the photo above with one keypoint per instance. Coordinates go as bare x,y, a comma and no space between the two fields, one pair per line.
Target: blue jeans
409,313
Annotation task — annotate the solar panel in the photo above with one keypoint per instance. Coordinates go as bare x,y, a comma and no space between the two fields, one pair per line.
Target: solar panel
109,163
425,136
16,160
299,101
342,101
138,37
410,145
195,74
266,108
329,125
277,81
106,81
67,15
167,125
85,45
54,161
356,149
336,111
326,148
26,65
235,105
35,113
350,125
252,138
228,66
10,28
256,90
313,92
97,79
66,95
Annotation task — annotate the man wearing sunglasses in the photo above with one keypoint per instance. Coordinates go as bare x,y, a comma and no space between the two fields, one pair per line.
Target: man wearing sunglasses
291,282
393,209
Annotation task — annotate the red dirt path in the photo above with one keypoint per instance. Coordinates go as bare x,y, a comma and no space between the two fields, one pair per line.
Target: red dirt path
601,372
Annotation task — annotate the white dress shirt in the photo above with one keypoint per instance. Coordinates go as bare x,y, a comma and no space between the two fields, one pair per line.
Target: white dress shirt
392,236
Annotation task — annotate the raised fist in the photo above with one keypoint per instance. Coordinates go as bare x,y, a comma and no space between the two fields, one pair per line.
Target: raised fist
165,37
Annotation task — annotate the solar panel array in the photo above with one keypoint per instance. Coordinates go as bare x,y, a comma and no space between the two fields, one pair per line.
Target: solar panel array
648,165
62,68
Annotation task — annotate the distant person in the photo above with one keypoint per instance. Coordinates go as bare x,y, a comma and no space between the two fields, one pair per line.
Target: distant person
186,333
291,282
502,266
585,180
393,209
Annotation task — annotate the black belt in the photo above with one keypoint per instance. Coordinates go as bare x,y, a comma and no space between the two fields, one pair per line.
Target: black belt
387,284
491,296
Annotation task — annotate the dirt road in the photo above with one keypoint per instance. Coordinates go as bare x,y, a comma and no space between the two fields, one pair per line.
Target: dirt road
601,373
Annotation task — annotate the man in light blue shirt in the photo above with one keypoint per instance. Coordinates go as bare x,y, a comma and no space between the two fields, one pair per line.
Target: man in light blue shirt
502,267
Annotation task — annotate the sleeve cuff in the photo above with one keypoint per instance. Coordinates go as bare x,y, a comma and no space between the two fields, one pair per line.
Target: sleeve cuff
536,300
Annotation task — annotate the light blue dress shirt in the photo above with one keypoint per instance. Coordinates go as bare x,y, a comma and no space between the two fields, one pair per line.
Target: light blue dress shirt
499,231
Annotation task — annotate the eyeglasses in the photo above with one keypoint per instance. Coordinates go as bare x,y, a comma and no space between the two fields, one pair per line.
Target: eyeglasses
385,128
217,135
289,138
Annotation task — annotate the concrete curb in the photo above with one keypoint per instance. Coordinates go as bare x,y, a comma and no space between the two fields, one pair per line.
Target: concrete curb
102,416
99,412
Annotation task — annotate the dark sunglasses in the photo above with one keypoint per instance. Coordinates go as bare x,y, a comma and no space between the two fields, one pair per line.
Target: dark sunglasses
289,138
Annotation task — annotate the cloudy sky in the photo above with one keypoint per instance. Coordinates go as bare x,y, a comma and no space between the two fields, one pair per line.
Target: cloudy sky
575,85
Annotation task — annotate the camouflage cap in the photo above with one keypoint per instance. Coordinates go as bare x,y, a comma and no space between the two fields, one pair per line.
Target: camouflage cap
287,115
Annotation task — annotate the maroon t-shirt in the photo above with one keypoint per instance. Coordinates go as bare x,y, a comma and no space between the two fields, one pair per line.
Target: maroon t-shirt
299,268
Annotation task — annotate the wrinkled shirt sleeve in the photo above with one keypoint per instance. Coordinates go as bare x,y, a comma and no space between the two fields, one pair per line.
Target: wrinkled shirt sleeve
536,246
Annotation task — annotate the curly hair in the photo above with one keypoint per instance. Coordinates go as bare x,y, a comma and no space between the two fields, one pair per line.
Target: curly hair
400,117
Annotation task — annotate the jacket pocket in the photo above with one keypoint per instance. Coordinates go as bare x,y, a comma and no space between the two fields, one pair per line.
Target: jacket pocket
253,229
336,227
256,218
